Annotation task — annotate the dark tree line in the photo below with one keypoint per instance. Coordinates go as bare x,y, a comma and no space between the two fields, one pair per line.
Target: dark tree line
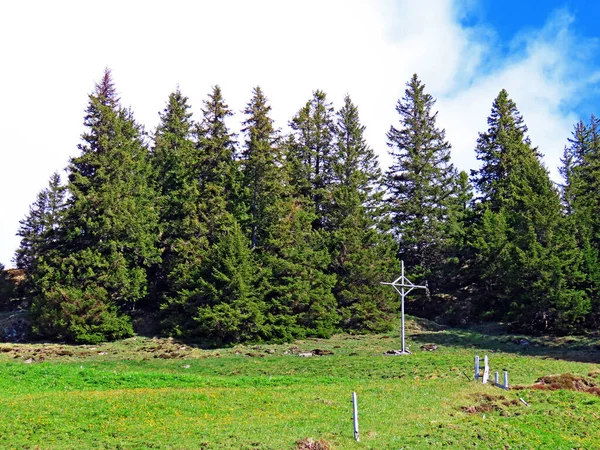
270,236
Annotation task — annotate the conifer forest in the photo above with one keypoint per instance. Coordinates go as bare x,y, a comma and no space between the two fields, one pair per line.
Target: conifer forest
273,236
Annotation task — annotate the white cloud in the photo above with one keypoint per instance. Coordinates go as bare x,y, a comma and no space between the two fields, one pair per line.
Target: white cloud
53,52
544,75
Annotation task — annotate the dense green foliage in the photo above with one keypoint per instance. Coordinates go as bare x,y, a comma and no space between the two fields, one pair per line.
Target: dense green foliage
108,231
362,253
39,231
6,287
271,236
528,264
422,192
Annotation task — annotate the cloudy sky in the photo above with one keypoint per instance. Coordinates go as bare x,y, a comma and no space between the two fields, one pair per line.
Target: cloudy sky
546,54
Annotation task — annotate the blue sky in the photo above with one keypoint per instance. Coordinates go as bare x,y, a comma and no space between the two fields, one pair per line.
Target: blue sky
545,53
511,19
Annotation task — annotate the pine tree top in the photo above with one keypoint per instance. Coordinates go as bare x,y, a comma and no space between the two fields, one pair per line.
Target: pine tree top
502,148
258,126
105,90
176,117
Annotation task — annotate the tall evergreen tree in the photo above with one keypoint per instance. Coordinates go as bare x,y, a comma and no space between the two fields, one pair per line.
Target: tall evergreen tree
298,289
496,149
230,305
461,212
219,171
581,174
573,157
39,231
110,230
527,261
213,285
176,165
262,160
362,253
355,165
456,274
310,152
173,160
421,184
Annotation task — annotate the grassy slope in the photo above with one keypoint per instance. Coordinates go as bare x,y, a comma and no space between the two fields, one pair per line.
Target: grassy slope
143,393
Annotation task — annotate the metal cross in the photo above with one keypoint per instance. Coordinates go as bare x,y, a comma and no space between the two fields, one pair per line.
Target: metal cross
403,282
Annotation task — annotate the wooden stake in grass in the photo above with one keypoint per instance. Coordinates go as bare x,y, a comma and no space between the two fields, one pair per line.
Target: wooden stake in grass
486,369
355,416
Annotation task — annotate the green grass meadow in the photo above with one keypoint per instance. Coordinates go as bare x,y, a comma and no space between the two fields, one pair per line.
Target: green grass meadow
145,393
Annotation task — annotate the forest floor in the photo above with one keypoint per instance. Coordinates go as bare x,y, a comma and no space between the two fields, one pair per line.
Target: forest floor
149,393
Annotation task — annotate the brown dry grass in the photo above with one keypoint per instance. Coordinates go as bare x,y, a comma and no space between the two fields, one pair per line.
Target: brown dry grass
311,444
565,381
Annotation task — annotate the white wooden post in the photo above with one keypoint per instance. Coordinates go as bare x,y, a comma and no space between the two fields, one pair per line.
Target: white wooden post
506,380
355,416
486,369
476,368
496,379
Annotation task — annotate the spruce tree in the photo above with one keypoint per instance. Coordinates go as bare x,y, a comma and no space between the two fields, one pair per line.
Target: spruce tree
298,289
176,169
213,283
362,253
110,230
173,161
496,149
40,229
261,162
527,264
573,158
219,173
456,274
581,174
229,301
581,171
310,153
461,212
420,186
355,165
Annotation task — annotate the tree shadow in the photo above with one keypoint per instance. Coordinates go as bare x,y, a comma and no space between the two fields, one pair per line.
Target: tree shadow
569,348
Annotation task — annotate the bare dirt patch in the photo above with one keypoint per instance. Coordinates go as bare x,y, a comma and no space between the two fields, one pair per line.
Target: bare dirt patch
166,349
487,403
133,348
429,347
321,352
39,353
565,381
311,444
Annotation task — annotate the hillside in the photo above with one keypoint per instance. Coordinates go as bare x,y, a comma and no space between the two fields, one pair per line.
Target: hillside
144,393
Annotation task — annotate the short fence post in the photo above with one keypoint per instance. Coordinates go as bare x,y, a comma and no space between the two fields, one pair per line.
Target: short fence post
496,379
476,368
506,380
486,369
355,416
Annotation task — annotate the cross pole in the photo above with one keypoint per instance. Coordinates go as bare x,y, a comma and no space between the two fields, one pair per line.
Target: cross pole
403,282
